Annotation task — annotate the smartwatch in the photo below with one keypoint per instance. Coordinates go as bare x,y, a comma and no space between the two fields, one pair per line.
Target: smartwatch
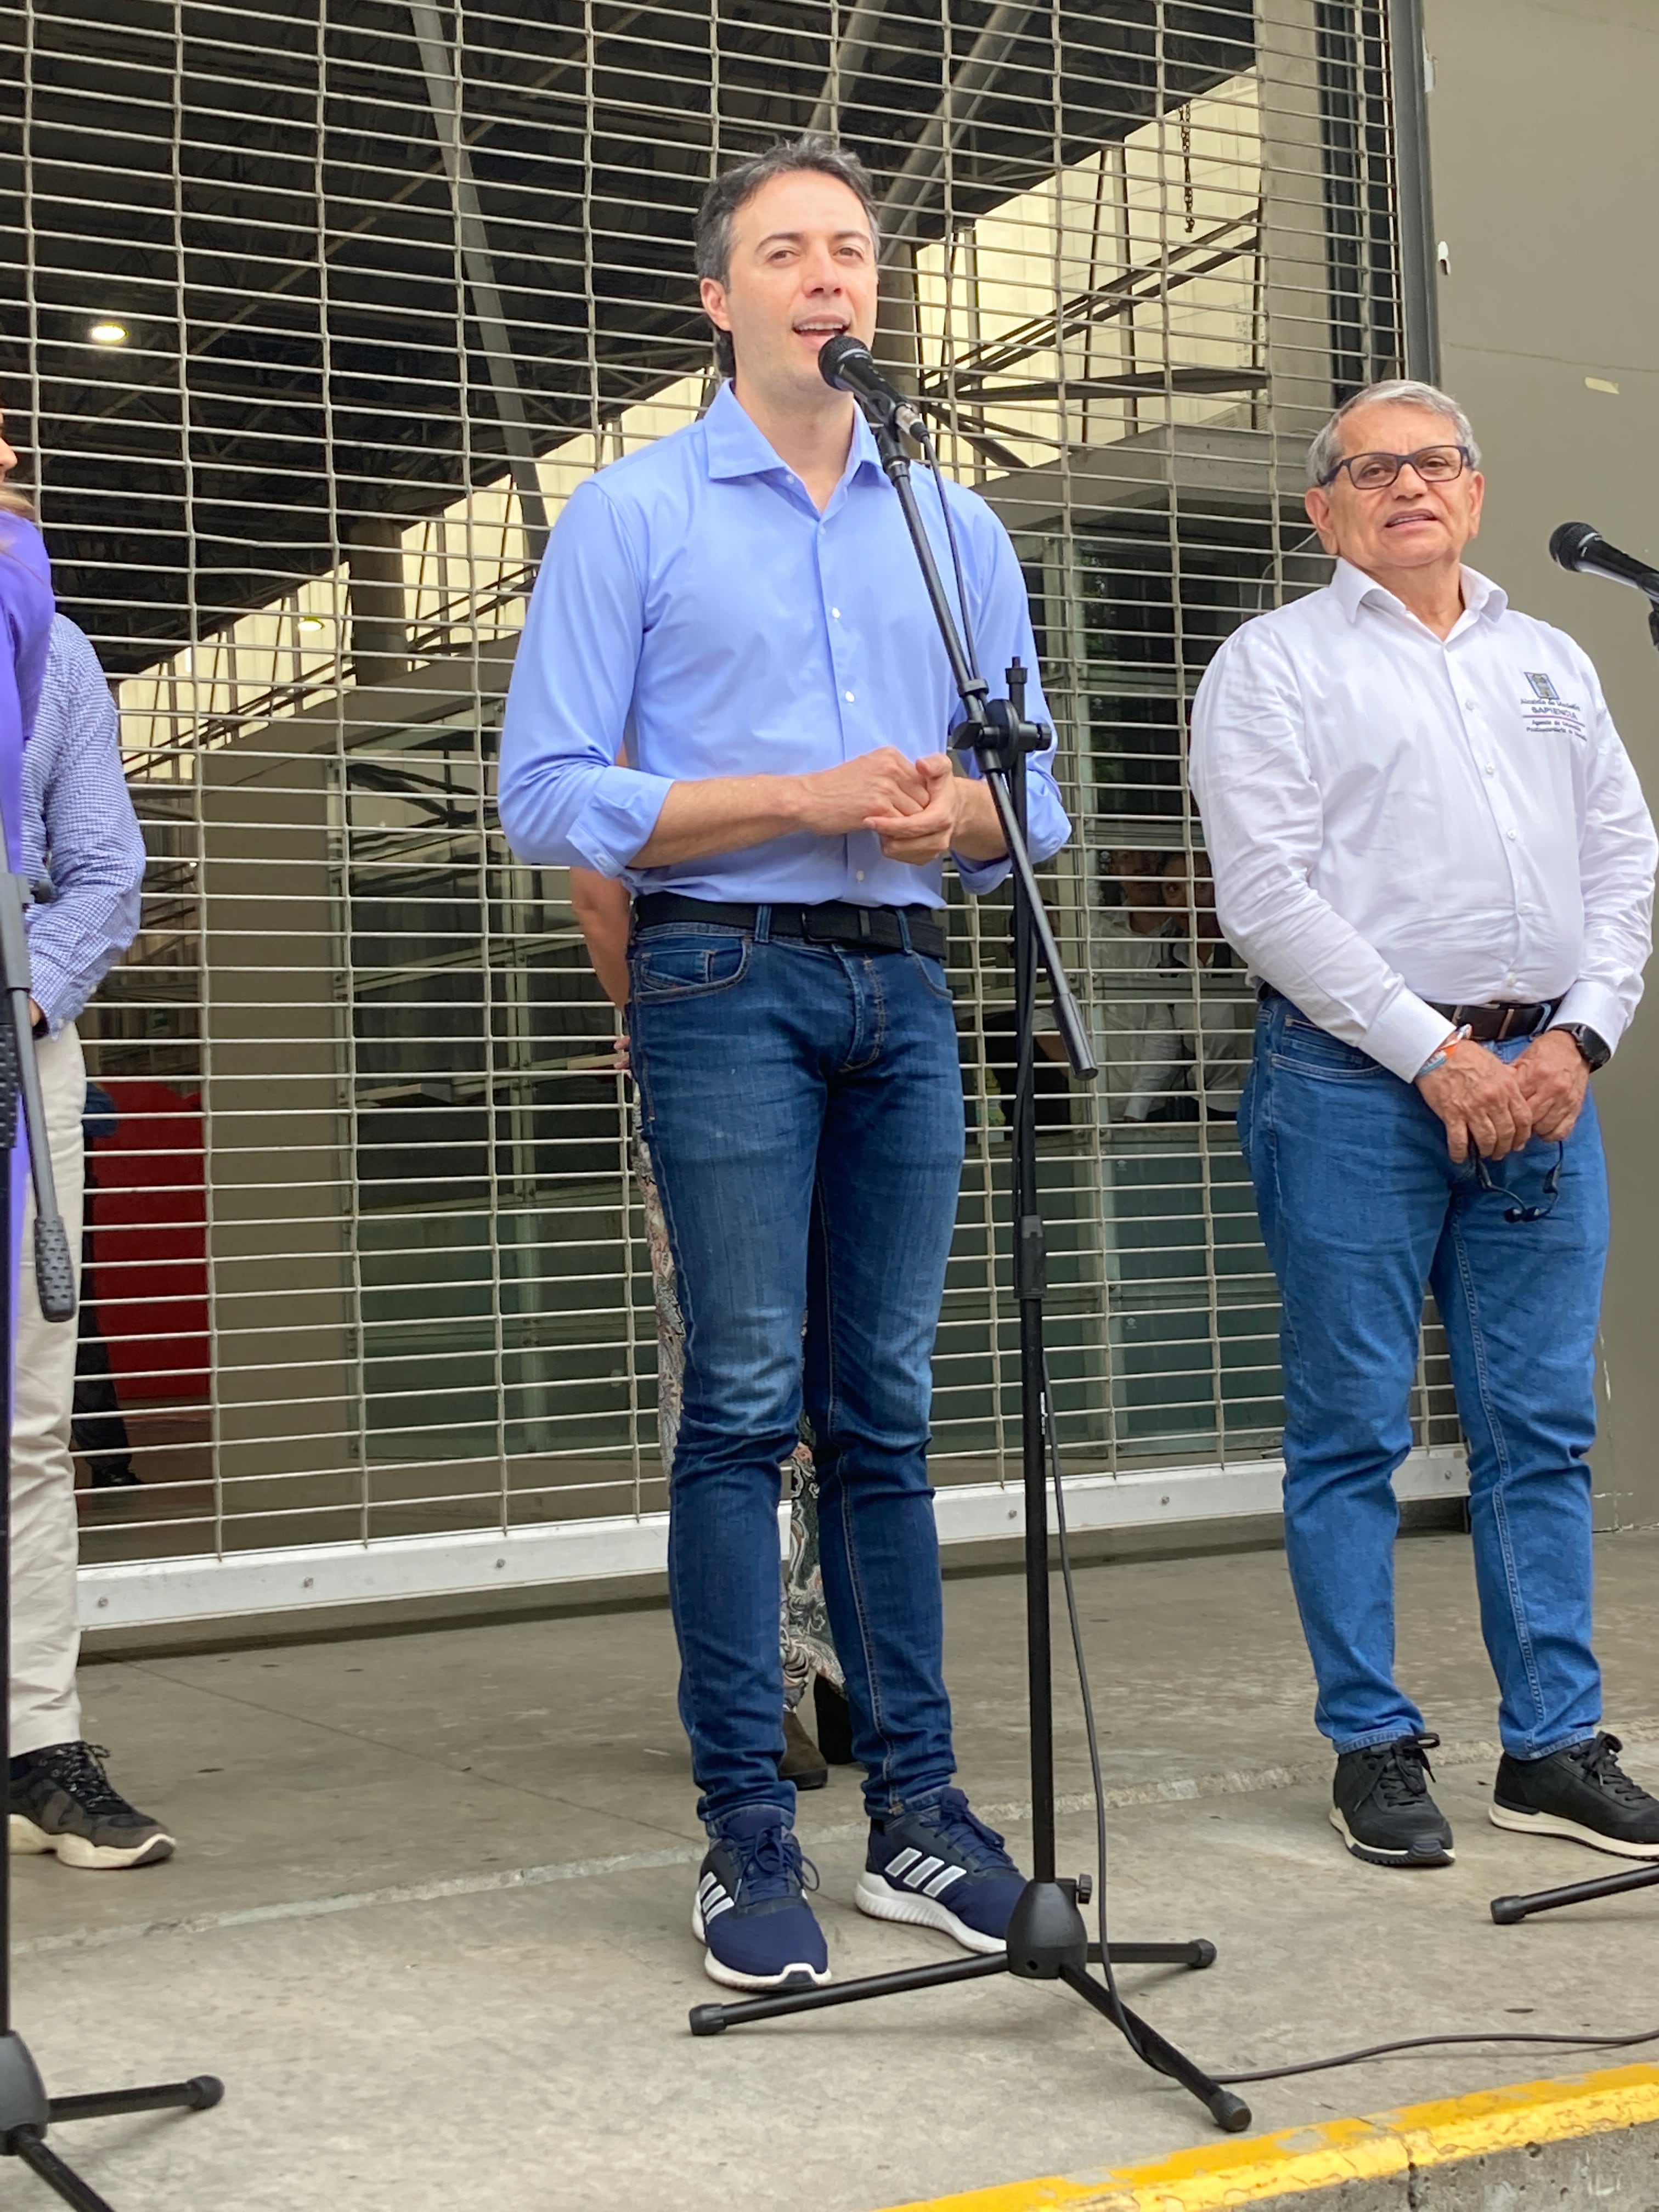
1594,1046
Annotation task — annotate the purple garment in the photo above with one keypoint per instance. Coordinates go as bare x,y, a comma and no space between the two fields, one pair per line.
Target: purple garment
26,605
26,610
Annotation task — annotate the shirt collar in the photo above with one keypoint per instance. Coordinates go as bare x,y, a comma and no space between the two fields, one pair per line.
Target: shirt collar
1355,589
736,446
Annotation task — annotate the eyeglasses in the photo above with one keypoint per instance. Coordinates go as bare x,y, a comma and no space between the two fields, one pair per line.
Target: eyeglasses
1518,1210
1377,472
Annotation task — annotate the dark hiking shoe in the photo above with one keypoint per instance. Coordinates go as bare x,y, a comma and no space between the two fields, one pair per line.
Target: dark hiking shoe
62,1801
833,1716
1582,1793
1382,1808
802,1763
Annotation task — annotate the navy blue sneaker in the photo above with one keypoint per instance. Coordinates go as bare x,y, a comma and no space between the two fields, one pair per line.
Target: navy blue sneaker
751,1913
936,1865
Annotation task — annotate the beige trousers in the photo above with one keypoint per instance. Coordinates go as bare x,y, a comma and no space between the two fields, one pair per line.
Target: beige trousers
46,1634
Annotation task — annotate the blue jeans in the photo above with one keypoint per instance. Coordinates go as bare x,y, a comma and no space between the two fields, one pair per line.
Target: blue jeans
1363,1207
802,1107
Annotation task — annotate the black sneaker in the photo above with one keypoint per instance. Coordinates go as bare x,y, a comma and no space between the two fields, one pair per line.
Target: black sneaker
1582,1793
62,1801
1382,1808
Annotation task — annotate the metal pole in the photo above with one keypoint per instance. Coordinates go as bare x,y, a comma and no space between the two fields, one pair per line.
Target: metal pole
1030,1283
443,93
1419,261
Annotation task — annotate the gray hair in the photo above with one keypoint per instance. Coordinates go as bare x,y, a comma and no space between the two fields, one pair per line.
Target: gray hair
733,190
1326,450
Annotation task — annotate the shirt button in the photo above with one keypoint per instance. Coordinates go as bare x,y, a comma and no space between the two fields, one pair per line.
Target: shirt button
857,875
1469,707
848,697
835,611
1526,909
1510,833
1489,769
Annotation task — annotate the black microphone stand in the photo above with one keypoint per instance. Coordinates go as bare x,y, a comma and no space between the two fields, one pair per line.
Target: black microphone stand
26,2111
1047,1939
1508,1910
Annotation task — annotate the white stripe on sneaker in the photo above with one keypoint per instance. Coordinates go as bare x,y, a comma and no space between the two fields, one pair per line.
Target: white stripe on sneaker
941,1882
899,1861
919,1875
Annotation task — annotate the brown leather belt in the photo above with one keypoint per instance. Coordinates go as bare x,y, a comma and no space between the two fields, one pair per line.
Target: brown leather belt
835,921
1492,1025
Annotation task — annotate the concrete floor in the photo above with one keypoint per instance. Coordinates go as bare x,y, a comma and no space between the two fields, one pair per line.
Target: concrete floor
429,1915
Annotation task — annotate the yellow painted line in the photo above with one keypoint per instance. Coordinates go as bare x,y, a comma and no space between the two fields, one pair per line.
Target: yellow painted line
1227,2174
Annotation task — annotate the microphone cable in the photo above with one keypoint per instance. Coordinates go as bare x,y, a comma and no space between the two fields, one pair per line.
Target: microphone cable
1561,2041
930,453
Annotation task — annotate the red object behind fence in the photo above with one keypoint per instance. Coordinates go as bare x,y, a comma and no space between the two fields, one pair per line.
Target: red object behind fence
149,1241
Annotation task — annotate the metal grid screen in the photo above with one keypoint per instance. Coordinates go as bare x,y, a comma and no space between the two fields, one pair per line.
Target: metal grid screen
316,312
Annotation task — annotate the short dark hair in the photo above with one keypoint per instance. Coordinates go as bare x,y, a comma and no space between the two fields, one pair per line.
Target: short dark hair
736,187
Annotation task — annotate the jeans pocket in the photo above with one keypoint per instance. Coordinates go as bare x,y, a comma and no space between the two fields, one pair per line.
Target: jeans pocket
1305,1049
934,975
688,964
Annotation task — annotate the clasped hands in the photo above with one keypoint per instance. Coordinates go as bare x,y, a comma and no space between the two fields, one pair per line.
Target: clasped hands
919,809
1496,1106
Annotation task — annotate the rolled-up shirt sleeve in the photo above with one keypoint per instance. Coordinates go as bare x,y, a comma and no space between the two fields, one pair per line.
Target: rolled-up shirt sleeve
1617,855
565,799
1003,635
1263,829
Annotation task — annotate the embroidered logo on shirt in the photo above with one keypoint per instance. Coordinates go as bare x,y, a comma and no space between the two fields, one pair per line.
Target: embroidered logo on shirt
1542,686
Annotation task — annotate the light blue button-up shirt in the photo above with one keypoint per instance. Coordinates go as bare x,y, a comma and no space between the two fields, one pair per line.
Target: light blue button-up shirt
78,829
697,617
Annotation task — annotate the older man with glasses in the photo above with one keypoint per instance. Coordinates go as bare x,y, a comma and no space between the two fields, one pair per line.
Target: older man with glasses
1432,850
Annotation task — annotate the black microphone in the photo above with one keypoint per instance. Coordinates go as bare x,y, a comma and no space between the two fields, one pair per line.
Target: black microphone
1583,549
848,364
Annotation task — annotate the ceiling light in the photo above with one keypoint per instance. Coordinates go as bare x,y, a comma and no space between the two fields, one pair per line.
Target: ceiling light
108,333
313,622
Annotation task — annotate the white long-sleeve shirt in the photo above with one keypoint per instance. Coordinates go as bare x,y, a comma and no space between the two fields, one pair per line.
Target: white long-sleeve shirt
1393,819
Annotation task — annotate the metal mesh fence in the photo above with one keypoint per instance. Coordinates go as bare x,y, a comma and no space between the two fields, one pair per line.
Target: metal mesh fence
316,313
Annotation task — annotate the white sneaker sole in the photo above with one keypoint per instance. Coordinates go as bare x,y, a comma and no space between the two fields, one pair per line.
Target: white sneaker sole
730,1978
1553,1824
882,1902
25,1840
1373,1856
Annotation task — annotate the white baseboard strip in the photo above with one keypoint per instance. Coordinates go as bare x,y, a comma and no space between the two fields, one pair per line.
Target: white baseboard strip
150,1593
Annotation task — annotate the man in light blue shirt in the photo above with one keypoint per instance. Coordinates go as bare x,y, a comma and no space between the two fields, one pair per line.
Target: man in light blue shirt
731,695
77,831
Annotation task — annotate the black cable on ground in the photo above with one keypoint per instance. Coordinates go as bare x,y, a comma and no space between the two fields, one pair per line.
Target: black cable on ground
1440,2043
1561,2042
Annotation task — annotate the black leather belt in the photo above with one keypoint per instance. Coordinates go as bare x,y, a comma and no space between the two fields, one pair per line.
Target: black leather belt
1492,1025
837,921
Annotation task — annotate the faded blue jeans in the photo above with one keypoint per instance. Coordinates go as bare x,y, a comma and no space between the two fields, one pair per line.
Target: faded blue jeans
803,1106
1362,1208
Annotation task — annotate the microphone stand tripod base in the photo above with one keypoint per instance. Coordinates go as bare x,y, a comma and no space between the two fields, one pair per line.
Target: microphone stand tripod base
1506,1911
27,2112
1047,1938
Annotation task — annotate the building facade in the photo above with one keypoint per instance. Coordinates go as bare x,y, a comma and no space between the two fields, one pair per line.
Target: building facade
320,312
